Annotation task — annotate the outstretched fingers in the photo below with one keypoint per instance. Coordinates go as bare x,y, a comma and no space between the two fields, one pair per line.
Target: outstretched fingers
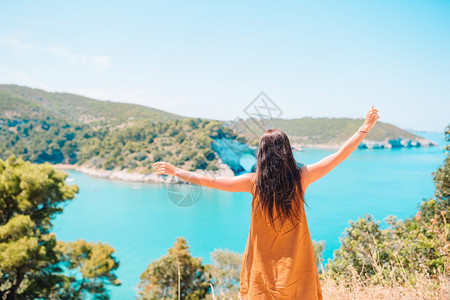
160,167
163,167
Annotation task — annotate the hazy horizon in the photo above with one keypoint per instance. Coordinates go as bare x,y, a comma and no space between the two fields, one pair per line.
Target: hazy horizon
210,60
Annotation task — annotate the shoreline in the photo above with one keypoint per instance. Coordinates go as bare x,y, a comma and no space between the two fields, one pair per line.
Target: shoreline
372,144
64,166
224,169
125,175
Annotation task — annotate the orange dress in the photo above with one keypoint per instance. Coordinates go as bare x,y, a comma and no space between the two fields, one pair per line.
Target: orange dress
279,262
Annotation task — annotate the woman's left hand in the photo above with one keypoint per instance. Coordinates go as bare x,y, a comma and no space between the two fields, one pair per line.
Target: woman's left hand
163,167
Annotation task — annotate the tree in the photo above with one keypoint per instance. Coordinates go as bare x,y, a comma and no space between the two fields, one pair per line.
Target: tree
95,262
31,259
361,239
318,248
160,279
225,272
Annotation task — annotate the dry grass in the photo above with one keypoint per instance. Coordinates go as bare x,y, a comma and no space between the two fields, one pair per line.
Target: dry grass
424,287
417,286
399,284
357,289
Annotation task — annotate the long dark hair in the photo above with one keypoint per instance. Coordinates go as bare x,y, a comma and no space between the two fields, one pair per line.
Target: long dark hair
278,177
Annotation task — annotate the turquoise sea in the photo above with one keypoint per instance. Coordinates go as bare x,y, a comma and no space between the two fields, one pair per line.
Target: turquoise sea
141,222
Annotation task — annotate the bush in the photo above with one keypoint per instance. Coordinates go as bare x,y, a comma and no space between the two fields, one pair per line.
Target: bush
397,253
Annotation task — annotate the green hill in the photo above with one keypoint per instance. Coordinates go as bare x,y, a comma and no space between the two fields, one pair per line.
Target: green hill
63,128
332,132
24,101
40,126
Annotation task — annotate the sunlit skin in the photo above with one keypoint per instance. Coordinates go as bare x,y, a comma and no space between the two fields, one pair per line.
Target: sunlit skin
244,182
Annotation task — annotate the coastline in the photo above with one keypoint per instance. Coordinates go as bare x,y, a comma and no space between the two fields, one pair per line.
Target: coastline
64,166
372,144
224,169
125,175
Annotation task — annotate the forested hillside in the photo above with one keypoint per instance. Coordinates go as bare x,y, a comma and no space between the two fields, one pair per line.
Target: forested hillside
40,126
63,128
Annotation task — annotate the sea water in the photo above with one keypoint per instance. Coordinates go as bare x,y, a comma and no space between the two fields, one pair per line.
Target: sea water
142,220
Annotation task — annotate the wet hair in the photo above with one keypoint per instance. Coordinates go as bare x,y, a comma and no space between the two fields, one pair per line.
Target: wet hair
278,178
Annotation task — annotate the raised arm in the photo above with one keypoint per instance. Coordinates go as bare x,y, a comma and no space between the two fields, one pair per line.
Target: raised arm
241,183
319,169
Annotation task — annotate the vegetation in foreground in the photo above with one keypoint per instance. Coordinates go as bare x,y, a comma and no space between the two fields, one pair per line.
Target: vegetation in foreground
407,260
33,263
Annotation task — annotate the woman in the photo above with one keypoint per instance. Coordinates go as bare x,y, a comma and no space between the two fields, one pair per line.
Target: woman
278,261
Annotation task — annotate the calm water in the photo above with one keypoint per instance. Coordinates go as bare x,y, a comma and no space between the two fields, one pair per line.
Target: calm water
141,222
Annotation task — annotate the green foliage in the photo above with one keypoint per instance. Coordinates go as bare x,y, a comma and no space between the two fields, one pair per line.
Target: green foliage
362,239
418,244
137,146
96,264
160,279
31,259
42,139
33,190
225,272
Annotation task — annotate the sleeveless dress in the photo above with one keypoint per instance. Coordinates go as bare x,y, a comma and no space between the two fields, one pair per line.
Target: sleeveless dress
278,261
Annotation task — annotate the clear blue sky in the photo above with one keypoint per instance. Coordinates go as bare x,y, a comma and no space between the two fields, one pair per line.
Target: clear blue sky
210,58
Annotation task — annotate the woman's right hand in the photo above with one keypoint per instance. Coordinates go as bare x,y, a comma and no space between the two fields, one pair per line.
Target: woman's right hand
163,167
371,117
